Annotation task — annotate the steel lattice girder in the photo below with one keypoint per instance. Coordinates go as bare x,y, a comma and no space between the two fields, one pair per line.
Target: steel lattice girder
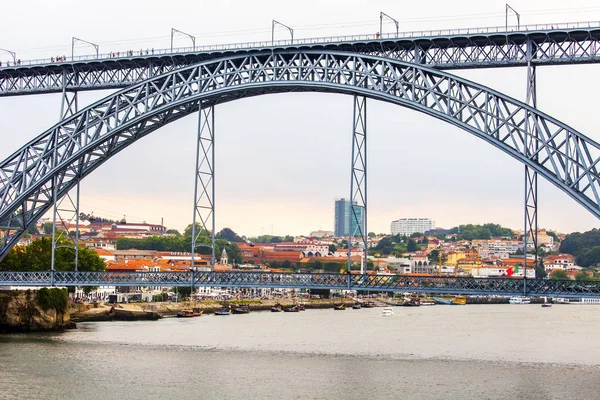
393,283
84,141
477,50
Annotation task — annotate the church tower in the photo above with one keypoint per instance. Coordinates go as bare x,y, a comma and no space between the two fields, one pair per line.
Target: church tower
224,257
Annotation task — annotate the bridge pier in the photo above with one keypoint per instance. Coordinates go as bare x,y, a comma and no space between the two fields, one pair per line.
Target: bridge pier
531,146
66,206
358,180
204,181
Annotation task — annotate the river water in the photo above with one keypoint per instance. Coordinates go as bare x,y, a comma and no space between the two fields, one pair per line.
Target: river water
440,352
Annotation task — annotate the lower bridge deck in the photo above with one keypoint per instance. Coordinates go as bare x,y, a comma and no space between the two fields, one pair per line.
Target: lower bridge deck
382,283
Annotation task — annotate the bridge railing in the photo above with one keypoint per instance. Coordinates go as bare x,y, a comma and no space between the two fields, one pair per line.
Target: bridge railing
148,52
393,283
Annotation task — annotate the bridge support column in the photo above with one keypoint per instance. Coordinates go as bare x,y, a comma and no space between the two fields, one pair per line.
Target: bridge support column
66,210
357,219
531,145
204,181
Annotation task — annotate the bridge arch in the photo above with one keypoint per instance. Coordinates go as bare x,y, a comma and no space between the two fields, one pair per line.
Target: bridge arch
76,146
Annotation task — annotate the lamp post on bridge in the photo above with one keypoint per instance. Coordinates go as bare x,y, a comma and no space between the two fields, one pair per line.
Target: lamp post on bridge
273,31
508,7
381,16
173,31
74,39
12,53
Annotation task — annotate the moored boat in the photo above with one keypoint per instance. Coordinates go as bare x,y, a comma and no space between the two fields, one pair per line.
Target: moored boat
223,311
276,308
185,314
291,309
197,312
340,307
301,307
356,306
411,300
241,309
459,300
368,304
519,300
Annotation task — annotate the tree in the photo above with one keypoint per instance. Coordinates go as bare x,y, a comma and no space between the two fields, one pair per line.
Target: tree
554,236
332,248
581,276
540,272
173,232
411,245
371,234
385,245
47,228
187,233
559,274
434,256
229,235
37,257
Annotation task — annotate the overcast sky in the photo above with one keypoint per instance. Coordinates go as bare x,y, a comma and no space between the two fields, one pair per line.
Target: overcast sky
283,159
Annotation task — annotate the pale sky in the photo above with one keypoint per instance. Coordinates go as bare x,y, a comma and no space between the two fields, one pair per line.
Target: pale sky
283,159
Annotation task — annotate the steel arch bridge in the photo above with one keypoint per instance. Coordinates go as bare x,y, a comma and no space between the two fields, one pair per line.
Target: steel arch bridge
63,155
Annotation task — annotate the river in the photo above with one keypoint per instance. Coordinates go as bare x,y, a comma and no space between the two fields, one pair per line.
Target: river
440,352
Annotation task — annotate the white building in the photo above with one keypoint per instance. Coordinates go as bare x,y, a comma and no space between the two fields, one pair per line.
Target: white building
408,226
498,248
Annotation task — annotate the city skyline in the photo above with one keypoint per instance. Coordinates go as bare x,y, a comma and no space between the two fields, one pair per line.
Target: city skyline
417,165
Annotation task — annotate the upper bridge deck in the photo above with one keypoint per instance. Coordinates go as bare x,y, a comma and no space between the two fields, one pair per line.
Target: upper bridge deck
549,44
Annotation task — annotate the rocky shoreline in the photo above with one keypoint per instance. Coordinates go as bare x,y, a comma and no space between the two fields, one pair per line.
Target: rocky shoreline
45,310
22,311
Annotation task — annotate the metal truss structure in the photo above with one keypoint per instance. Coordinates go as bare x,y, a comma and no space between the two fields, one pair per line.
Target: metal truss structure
382,283
530,232
358,180
66,209
204,181
545,46
76,146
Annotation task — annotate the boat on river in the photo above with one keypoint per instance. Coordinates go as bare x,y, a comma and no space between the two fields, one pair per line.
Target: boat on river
291,309
546,305
368,304
223,311
387,312
340,307
356,306
185,314
241,309
276,308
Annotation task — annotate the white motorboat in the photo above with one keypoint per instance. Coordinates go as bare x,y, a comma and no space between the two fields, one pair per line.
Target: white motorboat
387,312
519,300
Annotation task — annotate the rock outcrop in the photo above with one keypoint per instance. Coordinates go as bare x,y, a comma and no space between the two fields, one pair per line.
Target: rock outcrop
34,311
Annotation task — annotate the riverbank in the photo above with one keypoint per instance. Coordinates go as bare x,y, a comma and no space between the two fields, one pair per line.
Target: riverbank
156,310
